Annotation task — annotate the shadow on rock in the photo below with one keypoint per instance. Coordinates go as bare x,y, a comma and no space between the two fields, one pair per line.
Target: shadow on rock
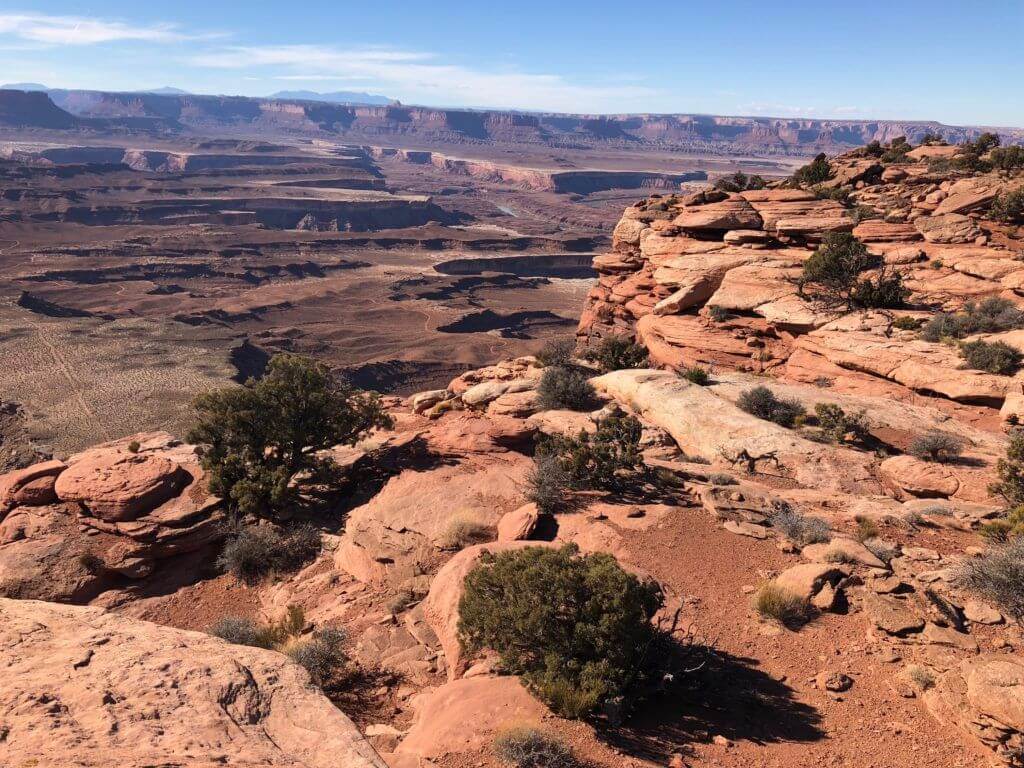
729,697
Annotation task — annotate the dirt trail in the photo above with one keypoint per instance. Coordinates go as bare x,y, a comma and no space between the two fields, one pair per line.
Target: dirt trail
73,383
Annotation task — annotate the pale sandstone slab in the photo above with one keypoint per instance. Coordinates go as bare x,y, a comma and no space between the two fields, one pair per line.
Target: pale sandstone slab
78,680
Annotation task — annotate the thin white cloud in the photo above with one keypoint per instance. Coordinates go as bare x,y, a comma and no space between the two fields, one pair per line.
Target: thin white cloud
423,77
778,109
78,30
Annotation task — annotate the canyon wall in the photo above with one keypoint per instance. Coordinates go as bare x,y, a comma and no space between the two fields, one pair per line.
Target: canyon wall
99,110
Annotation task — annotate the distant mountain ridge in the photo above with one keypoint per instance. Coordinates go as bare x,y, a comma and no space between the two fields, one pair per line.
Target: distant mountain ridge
154,113
336,97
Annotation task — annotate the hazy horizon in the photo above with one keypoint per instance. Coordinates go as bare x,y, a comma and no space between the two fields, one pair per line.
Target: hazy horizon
798,61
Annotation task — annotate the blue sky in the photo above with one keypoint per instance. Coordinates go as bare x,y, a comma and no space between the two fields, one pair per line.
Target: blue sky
956,62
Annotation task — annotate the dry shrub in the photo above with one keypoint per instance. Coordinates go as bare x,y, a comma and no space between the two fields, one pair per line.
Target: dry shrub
463,531
778,603
527,747
997,576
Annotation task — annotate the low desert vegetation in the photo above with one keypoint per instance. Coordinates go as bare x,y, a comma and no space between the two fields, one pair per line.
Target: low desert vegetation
607,460
257,551
565,388
721,478
1007,158
463,531
815,172
740,182
990,316
134,446
526,747
718,314
971,156
997,576
557,352
777,603
880,549
908,323
1010,471
695,374
258,438
764,404
617,353
936,446
799,528
897,151
1002,529
867,529
92,563
403,599
992,357
577,628
1008,206
549,484
838,425
922,677
320,652
832,276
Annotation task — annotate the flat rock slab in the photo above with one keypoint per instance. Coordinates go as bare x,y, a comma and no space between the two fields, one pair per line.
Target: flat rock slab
86,687
892,616
841,550
753,530
710,426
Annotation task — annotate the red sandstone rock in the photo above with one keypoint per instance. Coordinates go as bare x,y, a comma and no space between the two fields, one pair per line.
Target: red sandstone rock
465,715
984,698
118,485
518,524
909,477
26,486
83,687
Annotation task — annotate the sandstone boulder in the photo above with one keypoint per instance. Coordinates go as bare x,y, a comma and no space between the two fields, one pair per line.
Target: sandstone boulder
465,715
984,697
31,486
807,579
910,477
709,426
119,485
842,550
947,228
398,531
518,524
89,688
728,214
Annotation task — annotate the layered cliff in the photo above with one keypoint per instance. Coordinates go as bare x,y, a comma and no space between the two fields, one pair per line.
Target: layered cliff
98,110
714,278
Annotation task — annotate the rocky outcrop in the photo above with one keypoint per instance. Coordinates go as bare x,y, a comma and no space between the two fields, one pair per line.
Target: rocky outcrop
984,698
711,427
70,529
89,688
712,279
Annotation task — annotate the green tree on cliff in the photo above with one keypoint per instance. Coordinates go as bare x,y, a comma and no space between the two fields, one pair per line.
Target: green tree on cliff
259,437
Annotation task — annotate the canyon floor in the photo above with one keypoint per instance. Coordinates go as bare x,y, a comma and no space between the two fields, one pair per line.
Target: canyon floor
132,279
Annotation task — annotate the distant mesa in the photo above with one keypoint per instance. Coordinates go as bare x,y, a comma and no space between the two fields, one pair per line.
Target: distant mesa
167,90
356,117
337,97
23,87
